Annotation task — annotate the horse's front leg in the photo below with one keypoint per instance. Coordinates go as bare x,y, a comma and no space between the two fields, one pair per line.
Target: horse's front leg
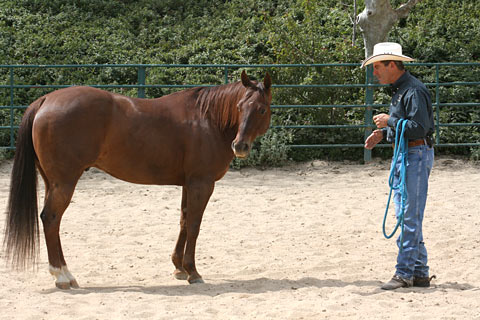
177,256
198,194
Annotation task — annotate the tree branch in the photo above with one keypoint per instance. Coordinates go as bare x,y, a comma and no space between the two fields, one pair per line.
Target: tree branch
404,9
377,19
354,22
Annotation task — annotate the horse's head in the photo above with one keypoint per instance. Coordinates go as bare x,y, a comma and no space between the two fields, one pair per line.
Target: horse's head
254,110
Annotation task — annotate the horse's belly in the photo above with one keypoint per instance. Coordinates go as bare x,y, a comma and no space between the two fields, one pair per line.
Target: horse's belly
140,170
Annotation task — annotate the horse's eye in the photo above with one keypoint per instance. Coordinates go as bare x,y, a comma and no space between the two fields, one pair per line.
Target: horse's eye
263,110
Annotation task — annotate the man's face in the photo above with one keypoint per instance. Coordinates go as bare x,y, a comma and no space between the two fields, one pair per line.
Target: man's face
384,73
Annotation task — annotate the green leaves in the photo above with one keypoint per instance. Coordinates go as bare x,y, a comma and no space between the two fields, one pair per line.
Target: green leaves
239,32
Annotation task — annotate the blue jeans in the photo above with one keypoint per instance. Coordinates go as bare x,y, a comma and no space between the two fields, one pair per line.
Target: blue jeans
412,258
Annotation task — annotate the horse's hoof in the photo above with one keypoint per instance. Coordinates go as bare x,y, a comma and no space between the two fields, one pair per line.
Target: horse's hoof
74,284
195,281
63,285
180,275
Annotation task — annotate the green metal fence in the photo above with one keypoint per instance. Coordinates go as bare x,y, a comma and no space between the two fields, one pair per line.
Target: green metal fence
13,84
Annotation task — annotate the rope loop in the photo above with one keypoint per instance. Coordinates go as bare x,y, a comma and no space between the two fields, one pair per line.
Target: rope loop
400,150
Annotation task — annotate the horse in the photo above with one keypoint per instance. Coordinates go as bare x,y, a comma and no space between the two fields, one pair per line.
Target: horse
187,138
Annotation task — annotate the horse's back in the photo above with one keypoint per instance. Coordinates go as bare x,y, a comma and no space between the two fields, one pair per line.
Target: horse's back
137,140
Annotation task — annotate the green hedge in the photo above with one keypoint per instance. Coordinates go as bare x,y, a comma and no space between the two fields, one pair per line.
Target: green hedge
241,32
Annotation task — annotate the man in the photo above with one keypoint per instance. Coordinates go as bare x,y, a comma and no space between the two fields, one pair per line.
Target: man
410,101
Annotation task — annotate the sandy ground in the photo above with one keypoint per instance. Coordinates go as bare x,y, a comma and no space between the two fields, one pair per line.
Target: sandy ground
301,242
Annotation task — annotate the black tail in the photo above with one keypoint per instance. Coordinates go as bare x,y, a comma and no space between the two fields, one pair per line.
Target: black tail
21,228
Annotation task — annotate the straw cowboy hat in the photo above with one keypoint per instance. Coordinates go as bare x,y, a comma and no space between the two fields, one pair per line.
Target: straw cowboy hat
386,51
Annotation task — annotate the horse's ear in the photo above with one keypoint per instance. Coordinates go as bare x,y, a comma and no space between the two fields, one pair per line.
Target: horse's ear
267,81
246,80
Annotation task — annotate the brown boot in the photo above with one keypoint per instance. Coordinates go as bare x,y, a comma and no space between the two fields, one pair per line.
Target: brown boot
423,281
397,282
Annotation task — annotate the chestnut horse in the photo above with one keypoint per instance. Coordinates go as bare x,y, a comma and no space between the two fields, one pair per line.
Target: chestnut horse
187,138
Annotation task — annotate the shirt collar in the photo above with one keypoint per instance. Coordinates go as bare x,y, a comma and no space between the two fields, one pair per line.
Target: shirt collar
400,82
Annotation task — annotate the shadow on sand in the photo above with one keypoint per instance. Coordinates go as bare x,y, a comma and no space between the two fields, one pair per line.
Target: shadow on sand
258,286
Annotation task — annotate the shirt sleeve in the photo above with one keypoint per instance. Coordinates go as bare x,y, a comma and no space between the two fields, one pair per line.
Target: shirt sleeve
416,104
384,132
392,121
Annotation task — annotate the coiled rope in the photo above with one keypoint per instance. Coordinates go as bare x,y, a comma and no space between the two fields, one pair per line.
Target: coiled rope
400,149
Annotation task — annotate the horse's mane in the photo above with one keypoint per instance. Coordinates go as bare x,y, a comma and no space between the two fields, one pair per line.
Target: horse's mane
219,103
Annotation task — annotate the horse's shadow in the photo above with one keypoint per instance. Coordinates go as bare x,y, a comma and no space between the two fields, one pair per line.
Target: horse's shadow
258,286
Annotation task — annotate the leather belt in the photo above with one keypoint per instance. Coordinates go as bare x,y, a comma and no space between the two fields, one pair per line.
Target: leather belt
413,143
417,142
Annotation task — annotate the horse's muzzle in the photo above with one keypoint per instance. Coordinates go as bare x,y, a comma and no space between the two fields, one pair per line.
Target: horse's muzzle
241,149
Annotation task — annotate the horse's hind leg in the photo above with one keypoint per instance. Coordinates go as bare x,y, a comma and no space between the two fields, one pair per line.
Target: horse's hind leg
57,199
178,253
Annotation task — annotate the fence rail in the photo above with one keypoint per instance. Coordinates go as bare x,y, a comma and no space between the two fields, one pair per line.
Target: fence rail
369,86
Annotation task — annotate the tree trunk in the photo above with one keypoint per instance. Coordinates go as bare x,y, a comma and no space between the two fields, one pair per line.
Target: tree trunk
378,18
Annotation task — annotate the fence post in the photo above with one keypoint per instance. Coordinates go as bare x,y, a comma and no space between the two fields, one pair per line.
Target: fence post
437,100
141,81
367,154
226,74
12,118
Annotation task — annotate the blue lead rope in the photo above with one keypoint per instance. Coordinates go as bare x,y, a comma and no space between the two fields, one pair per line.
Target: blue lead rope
401,149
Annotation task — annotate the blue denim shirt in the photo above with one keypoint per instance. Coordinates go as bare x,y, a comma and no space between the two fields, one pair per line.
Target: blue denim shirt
411,100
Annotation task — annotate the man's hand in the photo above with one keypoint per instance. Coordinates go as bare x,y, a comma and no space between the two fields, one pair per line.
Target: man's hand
381,120
373,139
